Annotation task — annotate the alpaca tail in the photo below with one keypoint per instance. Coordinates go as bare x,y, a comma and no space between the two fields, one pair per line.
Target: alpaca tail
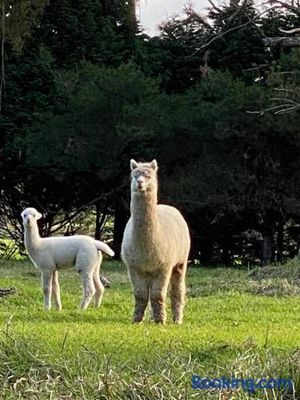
104,247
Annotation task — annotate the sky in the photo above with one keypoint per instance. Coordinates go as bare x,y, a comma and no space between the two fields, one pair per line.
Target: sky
152,12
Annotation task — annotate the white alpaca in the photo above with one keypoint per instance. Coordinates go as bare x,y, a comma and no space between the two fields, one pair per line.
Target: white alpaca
155,247
52,254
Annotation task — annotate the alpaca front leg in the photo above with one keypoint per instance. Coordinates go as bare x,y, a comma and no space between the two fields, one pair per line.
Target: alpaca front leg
177,292
158,294
141,295
56,290
47,277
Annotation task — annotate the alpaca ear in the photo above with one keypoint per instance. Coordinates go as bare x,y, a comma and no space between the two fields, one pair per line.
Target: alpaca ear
154,165
133,164
38,215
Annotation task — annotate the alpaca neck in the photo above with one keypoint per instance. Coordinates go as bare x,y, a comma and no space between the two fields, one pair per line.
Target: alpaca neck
144,212
31,236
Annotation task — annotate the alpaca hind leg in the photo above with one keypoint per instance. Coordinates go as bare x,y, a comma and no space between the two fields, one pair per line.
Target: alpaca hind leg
178,292
47,277
158,294
140,285
98,285
56,290
88,288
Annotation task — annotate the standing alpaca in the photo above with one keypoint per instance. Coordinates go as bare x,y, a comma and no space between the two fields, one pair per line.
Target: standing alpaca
155,247
52,254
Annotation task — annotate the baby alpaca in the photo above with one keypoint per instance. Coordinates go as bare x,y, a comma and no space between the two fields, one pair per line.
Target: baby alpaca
155,247
52,254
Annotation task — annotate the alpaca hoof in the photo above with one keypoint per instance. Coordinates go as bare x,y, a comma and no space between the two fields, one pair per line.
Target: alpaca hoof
160,322
137,322
178,321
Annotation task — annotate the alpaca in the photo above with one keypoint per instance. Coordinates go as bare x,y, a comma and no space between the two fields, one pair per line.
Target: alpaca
155,247
52,254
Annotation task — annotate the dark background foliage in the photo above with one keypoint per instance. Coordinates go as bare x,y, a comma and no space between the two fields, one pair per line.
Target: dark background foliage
84,90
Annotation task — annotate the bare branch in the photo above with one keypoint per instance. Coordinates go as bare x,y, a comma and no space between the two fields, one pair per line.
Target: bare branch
288,110
295,30
214,6
239,9
234,28
287,106
261,112
290,101
288,6
287,90
287,42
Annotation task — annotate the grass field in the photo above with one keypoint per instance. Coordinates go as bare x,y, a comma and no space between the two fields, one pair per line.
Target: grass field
236,325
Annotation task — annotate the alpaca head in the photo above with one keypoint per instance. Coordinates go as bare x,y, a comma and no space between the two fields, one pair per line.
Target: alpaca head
29,216
143,176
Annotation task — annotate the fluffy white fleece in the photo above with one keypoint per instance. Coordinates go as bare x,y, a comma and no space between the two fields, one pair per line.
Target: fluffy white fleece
52,254
155,247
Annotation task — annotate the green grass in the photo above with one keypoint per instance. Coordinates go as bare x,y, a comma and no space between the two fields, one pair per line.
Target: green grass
232,327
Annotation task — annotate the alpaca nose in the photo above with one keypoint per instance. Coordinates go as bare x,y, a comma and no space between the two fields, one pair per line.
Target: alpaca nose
140,182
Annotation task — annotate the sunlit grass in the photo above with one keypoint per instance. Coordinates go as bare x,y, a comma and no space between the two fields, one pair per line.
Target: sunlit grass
224,321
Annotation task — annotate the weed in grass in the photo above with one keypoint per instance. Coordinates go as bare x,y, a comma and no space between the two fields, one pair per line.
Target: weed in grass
275,287
276,280
288,270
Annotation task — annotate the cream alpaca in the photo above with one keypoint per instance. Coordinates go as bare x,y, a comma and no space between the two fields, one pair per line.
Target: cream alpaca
155,247
52,254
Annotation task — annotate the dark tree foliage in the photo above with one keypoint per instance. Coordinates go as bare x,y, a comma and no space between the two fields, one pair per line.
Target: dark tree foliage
38,86
239,47
189,49
83,30
174,54
229,171
21,17
206,98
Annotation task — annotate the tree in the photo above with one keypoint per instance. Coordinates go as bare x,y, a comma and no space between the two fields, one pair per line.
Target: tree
86,150
18,19
228,170
67,35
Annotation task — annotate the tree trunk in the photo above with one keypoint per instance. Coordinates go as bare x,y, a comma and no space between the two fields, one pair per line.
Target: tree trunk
267,247
227,255
130,23
100,221
279,242
45,225
195,248
206,251
121,218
